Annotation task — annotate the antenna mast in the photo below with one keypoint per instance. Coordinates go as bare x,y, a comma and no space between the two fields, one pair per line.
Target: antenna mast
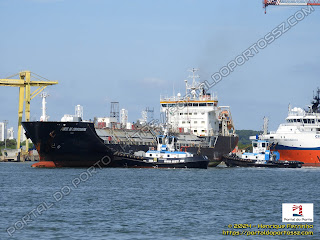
114,112
44,117
265,125
195,85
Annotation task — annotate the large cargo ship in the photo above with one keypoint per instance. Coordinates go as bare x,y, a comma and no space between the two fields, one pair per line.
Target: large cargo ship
299,138
200,125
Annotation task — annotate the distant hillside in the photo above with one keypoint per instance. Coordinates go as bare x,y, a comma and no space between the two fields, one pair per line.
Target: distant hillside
245,134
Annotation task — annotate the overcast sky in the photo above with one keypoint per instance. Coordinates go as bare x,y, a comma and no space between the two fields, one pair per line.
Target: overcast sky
132,51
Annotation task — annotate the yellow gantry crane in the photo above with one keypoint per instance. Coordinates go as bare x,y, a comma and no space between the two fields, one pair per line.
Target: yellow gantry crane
26,80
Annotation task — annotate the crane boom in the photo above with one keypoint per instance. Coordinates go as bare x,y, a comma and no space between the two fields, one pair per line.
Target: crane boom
19,83
291,2
25,82
267,3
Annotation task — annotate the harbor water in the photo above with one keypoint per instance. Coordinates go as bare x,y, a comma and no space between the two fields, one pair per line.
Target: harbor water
79,203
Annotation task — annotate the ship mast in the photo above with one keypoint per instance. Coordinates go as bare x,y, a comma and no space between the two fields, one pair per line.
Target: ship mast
316,102
195,85
265,125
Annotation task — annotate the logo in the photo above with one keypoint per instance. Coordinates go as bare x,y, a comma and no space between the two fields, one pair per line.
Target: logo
297,212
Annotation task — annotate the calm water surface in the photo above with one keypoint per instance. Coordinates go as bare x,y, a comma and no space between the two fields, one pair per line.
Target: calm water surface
98,203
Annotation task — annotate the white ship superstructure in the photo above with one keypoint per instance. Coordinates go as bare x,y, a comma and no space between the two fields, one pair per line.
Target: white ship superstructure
197,112
299,137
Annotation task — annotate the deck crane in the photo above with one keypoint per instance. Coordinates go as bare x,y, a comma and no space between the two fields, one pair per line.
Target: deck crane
267,3
26,80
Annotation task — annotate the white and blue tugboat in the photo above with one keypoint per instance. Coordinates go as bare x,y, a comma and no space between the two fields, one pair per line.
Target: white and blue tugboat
261,156
165,156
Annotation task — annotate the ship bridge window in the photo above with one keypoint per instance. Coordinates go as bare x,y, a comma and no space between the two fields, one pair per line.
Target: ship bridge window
312,121
209,104
171,105
190,104
181,113
202,104
196,104
195,131
305,120
185,113
195,122
164,105
263,145
298,120
195,113
255,144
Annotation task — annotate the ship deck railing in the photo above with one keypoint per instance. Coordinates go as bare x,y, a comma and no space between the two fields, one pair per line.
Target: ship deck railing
300,124
187,99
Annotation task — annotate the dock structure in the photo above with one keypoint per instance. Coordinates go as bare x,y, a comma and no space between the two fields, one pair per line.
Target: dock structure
26,80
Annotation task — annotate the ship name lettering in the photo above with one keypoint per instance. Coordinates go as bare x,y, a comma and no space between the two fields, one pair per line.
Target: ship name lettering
73,129
79,129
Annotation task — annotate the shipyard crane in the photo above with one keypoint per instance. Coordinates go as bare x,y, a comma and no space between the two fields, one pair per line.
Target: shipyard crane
267,3
26,80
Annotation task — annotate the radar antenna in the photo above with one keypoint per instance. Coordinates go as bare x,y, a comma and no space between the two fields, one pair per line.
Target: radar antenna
195,85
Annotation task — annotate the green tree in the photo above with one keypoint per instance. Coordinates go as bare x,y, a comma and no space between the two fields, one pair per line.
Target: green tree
244,141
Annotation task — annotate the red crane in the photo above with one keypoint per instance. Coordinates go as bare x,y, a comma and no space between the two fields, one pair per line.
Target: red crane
267,3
